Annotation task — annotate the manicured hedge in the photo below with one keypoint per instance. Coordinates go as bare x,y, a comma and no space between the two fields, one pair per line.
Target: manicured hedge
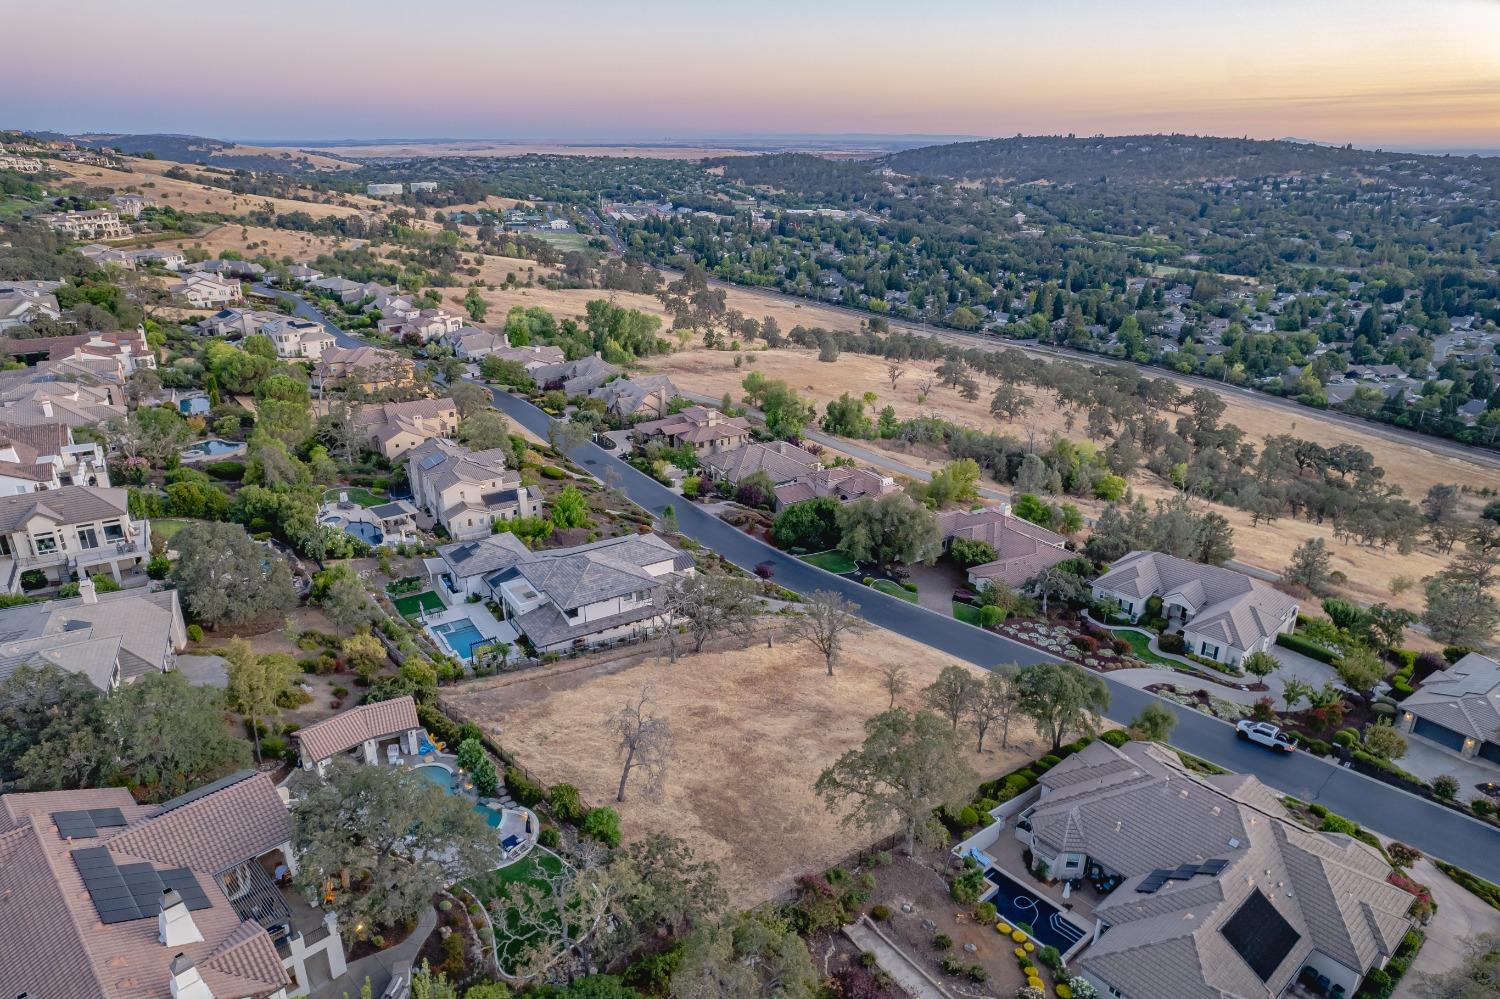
1481,889
1308,648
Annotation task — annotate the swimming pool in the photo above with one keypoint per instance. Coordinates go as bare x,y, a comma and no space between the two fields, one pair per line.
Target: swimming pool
368,533
1016,904
444,778
461,637
211,448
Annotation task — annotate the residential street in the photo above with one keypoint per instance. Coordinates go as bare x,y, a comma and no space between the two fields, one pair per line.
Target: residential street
1436,830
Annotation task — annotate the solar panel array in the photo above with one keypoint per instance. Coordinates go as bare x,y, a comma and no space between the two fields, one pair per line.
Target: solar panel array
121,893
1156,879
86,823
1260,934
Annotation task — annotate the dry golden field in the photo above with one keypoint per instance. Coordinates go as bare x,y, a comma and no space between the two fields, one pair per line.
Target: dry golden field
148,176
754,727
523,149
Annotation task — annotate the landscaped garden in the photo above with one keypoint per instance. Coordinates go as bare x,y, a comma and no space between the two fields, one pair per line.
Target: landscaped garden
356,494
491,889
907,592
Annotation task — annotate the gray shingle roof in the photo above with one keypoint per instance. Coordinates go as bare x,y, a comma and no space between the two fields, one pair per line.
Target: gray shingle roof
1465,697
573,577
783,462
68,505
133,628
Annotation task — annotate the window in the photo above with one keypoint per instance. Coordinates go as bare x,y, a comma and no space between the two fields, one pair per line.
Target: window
114,531
1210,650
45,544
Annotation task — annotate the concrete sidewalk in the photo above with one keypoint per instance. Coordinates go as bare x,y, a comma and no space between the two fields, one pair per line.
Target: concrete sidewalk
377,967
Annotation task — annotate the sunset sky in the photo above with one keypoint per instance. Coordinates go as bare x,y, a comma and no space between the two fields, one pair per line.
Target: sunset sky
1397,73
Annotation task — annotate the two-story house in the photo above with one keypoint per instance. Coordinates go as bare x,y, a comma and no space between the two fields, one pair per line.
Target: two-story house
466,491
363,367
297,339
563,599
206,291
95,223
69,531
706,429
44,456
1224,615
397,427
111,638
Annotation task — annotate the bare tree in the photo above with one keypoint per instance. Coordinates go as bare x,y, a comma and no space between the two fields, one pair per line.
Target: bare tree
894,371
893,678
646,743
825,619
711,603
995,704
565,435
953,693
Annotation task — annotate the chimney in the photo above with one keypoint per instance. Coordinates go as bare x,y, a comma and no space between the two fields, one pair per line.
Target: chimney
186,982
87,591
174,924
47,408
1005,509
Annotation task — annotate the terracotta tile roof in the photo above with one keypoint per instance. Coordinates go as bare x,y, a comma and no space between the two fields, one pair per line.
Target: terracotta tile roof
325,739
211,832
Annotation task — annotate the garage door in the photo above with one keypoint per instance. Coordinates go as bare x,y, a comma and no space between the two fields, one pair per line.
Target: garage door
1434,732
1490,751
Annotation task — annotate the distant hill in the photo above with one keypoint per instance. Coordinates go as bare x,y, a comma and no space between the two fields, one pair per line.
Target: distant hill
203,150
1153,159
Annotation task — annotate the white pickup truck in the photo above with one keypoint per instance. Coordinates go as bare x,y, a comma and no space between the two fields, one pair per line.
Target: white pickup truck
1266,734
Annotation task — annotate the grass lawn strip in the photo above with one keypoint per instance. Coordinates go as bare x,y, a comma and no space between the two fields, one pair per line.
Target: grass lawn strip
167,528
967,613
410,606
831,560
1141,646
357,494
895,590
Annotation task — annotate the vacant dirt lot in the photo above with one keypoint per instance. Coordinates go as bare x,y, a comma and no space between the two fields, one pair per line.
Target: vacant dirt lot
1370,570
754,727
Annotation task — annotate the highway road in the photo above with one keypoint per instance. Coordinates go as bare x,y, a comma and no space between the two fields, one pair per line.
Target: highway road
1438,831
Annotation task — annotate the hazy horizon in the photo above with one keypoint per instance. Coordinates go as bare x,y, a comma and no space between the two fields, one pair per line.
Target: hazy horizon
1416,75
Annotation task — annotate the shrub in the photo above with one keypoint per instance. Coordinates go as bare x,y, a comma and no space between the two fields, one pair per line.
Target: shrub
1050,957
549,837
292,698
942,941
1298,643
553,472
1338,824
990,616
1087,643
195,632
968,817
868,581
1080,988
880,912
1445,787
566,802
1482,807
1345,737
228,471
1171,642
1048,762
1403,855
1378,983
967,887
1116,737
603,826
909,586
985,913
526,792
158,567
977,973
272,746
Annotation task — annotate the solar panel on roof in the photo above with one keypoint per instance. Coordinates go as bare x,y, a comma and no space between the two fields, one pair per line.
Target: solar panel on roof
1260,934
185,882
1183,873
1213,867
105,818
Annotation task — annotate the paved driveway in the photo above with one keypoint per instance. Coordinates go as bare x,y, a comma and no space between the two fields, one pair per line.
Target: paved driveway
1304,668
935,585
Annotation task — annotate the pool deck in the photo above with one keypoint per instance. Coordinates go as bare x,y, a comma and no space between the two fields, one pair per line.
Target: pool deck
1007,852
476,614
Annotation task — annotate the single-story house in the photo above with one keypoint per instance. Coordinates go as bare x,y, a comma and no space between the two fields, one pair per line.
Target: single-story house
704,427
366,732
1459,708
781,461
628,399
111,638
1225,615
1022,549
1215,891
575,377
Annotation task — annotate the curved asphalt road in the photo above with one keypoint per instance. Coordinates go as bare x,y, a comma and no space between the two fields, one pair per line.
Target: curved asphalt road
1436,830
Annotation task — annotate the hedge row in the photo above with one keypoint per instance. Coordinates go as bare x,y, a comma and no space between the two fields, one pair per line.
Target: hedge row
1485,891
1308,648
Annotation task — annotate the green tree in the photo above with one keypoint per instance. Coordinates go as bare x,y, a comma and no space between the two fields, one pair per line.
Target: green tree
995,703
1311,566
1153,723
226,578
1361,668
1061,698
955,482
908,766
1385,742
1461,610
889,530
342,595
664,891
51,729
846,417
477,307
748,956
971,553
711,603
169,735
1260,664
400,836
786,412
469,398
483,430
256,682
570,509
811,524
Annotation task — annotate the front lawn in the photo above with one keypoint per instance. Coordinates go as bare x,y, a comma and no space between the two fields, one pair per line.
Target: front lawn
356,494
967,613
832,560
411,606
895,590
1140,645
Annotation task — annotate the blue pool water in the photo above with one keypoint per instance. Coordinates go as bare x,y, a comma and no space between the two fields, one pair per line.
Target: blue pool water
368,533
1017,904
443,778
461,637
212,448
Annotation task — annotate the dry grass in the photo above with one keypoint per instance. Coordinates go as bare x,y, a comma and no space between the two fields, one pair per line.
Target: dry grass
148,177
1269,546
253,241
754,728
